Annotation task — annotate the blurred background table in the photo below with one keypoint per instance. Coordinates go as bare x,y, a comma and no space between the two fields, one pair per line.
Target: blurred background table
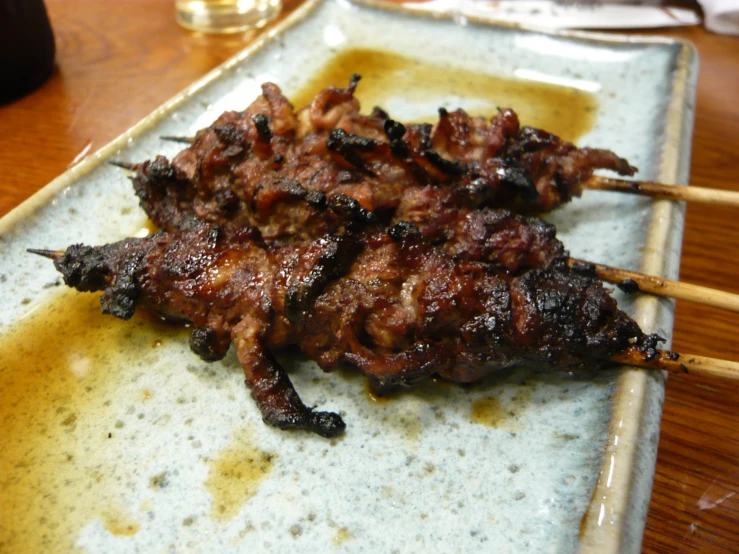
118,60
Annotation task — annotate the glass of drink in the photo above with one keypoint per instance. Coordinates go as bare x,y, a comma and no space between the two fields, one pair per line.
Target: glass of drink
226,16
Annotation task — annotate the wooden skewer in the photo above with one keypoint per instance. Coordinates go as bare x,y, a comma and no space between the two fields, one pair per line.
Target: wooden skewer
172,138
631,281
680,363
668,192
596,182
634,356
51,254
644,188
124,165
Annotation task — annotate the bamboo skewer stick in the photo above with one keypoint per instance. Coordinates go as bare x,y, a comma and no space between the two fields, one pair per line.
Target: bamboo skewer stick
51,254
124,165
667,192
680,363
701,195
632,281
173,138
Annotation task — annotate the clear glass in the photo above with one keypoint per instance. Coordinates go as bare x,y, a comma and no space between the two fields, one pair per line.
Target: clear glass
226,16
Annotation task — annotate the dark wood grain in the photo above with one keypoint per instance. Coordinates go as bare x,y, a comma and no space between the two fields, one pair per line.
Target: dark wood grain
119,59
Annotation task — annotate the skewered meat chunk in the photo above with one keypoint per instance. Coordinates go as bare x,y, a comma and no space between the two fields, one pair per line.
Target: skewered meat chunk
383,300
298,175
490,235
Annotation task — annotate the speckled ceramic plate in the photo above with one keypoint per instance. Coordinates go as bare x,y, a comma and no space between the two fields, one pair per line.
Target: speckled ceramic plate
115,438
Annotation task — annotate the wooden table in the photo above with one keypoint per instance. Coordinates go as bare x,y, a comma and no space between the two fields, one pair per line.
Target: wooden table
119,59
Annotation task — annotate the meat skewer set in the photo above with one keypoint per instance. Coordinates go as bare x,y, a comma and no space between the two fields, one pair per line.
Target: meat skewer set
425,175
401,249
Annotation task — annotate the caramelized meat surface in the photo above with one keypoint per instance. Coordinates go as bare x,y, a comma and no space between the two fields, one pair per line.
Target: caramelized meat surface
362,241
383,300
298,175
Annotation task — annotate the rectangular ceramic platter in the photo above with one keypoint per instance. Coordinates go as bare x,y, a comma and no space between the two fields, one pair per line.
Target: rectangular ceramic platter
168,453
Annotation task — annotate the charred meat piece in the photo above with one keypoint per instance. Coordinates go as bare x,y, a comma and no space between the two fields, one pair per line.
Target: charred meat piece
514,242
385,301
258,166
289,213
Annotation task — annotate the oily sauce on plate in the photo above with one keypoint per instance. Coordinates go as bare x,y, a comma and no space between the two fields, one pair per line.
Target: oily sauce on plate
55,423
564,111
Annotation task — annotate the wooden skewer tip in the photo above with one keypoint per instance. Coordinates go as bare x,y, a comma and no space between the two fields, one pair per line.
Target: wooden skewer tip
172,138
668,192
632,281
124,165
51,254
680,363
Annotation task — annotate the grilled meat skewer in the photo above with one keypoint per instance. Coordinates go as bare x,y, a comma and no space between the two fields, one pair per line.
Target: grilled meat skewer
222,178
385,301
280,170
293,215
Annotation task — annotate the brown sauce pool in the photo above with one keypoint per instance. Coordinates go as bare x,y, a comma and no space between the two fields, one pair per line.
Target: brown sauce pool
565,111
234,476
56,427
493,411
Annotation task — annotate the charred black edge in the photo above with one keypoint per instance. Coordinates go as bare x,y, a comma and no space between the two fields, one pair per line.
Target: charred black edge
629,286
337,257
648,346
394,129
348,207
90,269
120,299
518,178
404,230
279,402
324,424
353,81
395,132
208,345
157,171
229,134
454,168
317,199
262,124
347,145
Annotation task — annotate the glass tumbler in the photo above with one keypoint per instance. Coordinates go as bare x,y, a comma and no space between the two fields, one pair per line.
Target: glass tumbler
226,16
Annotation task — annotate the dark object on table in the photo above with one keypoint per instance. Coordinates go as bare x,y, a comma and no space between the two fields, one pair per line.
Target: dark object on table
26,47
